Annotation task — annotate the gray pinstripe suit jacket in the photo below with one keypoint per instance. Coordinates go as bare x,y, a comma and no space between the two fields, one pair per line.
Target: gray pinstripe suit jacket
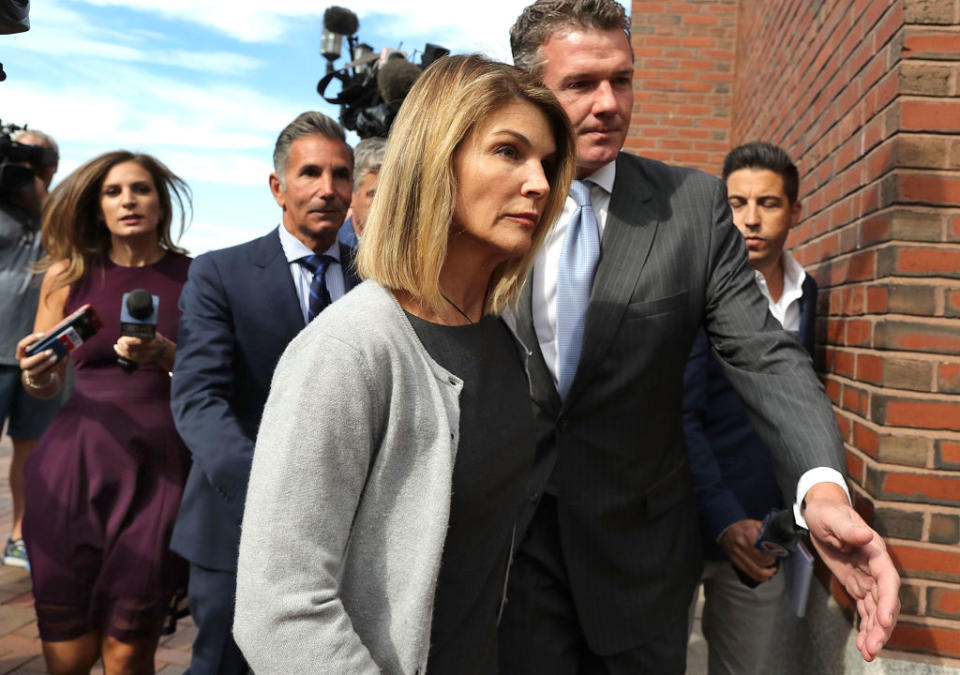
671,260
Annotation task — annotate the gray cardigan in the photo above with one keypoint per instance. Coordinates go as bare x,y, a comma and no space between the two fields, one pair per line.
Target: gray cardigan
349,497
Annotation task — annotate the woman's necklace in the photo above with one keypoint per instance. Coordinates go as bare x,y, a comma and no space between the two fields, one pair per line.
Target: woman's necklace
456,307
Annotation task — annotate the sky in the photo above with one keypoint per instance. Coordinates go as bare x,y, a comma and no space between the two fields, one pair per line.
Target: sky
206,85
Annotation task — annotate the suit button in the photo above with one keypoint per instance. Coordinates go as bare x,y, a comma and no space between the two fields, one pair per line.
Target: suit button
535,497
563,424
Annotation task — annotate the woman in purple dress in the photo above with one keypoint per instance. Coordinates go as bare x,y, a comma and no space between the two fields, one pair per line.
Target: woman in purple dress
104,482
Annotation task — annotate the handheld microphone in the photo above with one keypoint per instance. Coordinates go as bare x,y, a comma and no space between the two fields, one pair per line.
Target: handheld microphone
779,536
138,318
69,334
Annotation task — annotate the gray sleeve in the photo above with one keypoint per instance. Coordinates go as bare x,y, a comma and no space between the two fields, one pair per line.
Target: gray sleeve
310,466
767,366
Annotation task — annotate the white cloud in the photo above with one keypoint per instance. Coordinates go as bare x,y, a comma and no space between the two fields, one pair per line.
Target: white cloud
227,168
57,31
478,26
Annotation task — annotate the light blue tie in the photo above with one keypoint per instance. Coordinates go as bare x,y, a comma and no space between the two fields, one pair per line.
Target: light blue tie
578,263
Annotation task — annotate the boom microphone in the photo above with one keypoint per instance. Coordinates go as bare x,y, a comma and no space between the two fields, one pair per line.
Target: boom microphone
395,77
340,20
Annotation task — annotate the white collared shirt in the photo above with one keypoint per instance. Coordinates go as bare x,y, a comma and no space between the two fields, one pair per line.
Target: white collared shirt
294,250
786,310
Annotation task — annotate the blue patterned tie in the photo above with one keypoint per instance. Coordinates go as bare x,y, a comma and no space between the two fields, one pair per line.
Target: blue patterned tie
578,262
319,295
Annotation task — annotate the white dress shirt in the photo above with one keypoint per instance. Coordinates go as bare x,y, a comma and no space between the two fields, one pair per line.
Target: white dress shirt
544,292
786,310
294,250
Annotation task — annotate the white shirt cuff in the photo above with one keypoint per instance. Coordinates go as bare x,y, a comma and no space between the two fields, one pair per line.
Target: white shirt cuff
820,474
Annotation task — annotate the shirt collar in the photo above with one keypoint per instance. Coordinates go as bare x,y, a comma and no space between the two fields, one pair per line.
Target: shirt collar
294,249
793,278
604,176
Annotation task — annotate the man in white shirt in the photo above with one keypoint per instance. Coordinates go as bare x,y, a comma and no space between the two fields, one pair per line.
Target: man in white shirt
608,540
731,467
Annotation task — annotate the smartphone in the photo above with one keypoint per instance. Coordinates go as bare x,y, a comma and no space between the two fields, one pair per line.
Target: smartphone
69,333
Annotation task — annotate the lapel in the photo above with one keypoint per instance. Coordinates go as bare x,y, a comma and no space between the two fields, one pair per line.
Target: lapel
627,237
808,313
542,390
275,285
348,264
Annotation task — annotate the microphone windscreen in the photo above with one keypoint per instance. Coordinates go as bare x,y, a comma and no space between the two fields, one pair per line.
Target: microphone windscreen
140,304
395,78
340,20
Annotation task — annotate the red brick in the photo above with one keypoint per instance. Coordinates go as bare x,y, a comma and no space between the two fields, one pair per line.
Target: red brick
875,229
844,423
948,454
948,378
934,639
858,333
943,603
870,368
930,189
877,299
926,563
930,115
854,467
863,266
920,44
926,262
940,337
844,363
927,488
835,331
953,303
865,439
920,413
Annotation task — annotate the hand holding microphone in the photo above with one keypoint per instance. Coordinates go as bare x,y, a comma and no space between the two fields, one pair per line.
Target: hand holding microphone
139,342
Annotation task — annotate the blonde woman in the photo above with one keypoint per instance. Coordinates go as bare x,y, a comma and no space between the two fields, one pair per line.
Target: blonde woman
398,436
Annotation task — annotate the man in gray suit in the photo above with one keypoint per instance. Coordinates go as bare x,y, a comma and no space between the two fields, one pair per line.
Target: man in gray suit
642,256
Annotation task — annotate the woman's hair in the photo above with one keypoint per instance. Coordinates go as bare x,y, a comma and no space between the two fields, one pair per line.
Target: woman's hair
404,243
73,228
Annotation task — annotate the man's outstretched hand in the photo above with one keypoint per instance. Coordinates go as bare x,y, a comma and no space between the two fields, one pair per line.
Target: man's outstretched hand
859,560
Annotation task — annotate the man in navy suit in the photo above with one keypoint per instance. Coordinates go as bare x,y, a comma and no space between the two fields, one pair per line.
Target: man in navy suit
732,469
241,306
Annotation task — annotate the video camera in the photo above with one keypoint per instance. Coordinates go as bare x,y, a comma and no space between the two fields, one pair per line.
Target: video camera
14,18
15,156
372,85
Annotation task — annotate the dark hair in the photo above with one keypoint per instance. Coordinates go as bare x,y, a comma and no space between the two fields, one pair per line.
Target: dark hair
543,18
763,155
73,230
306,123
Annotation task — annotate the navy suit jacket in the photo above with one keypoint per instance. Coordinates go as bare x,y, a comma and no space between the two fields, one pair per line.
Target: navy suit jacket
731,467
240,310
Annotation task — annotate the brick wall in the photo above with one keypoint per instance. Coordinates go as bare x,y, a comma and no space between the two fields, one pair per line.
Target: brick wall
865,95
683,80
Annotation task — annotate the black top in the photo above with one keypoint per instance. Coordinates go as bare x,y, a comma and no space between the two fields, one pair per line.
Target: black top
493,461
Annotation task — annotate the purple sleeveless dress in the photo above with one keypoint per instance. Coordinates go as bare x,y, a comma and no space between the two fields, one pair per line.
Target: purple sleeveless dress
104,482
